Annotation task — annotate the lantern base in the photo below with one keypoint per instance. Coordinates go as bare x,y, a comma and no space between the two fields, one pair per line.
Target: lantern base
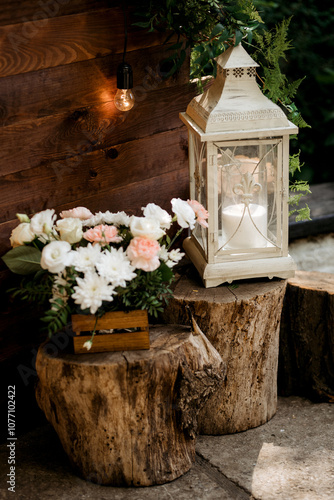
218,273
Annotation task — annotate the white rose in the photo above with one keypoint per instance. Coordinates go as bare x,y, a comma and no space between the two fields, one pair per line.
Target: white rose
153,211
56,256
21,234
185,215
146,227
70,229
42,222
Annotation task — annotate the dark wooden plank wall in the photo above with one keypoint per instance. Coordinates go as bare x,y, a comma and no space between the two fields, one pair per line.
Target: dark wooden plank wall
62,141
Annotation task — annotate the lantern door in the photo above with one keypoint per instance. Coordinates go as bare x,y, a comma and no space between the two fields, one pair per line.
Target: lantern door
248,194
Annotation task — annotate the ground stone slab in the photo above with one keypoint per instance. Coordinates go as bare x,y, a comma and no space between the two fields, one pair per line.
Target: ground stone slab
291,457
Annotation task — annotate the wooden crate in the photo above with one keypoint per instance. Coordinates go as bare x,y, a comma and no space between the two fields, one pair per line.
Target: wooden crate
127,341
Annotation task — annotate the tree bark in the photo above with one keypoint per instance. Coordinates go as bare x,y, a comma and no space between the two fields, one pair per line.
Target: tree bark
306,361
130,418
243,325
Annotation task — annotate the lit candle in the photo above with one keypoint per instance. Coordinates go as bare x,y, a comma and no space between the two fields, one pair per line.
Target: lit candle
247,235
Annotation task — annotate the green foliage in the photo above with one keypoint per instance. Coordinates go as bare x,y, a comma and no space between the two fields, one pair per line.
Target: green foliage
301,188
270,50
23,260
311,27
57,316
205,26
34,290
294,163
150,290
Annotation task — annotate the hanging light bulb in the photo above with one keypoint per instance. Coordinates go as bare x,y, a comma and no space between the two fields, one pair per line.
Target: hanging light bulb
124,98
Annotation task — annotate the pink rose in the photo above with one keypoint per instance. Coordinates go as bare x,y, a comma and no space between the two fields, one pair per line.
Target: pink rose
143,253
201,213
77,213
102,234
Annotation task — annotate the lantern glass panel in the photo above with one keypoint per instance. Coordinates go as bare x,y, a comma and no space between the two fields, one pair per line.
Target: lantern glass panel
249,214
198,187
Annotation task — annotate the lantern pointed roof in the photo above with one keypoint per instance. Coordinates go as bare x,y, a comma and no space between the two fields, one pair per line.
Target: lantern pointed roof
234,101
237,57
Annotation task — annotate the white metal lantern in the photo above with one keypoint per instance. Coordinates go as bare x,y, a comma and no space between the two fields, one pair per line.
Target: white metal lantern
239,171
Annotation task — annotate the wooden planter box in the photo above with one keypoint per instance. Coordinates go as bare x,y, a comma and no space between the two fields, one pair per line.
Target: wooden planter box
124,341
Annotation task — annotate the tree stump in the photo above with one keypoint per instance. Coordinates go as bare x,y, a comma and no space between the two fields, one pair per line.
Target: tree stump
306,361
243,325
130,418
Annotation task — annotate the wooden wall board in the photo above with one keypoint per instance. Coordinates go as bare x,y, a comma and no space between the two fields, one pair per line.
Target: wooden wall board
54,91
46,141
147,159
18,11
67,39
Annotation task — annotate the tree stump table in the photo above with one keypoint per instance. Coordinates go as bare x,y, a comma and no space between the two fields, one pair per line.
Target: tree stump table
243,325
130,418
306,361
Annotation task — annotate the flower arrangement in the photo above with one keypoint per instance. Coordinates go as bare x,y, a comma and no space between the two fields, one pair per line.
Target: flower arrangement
93,264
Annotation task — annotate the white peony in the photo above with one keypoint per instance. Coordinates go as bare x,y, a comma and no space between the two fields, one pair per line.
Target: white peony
146,227
115,267
42,222
56,256
21,234
91,291
185,215
70,229
153,211
85,258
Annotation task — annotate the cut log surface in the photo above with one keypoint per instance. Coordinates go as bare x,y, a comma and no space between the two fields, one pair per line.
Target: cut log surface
130,418
243,325
306,362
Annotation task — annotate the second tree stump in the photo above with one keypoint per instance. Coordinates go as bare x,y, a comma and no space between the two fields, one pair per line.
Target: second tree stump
243,325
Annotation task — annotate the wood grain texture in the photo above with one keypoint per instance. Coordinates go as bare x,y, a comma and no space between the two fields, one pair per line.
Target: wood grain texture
243,325
115,341
92,83
56,41
18,11
306,362
141,405
93,174
68,137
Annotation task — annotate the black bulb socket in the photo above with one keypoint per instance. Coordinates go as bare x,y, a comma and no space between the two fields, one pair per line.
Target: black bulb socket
124,76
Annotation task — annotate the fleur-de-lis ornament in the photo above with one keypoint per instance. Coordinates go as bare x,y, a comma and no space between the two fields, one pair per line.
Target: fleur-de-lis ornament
246,188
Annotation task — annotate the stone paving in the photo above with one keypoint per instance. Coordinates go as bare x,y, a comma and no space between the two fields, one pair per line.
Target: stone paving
291,457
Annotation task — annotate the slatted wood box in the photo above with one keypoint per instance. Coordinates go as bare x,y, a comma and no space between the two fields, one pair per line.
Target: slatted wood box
124,341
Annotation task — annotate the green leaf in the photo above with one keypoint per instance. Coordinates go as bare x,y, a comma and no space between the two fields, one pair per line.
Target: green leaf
142,24
23,260
166,272
217,30
238,37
